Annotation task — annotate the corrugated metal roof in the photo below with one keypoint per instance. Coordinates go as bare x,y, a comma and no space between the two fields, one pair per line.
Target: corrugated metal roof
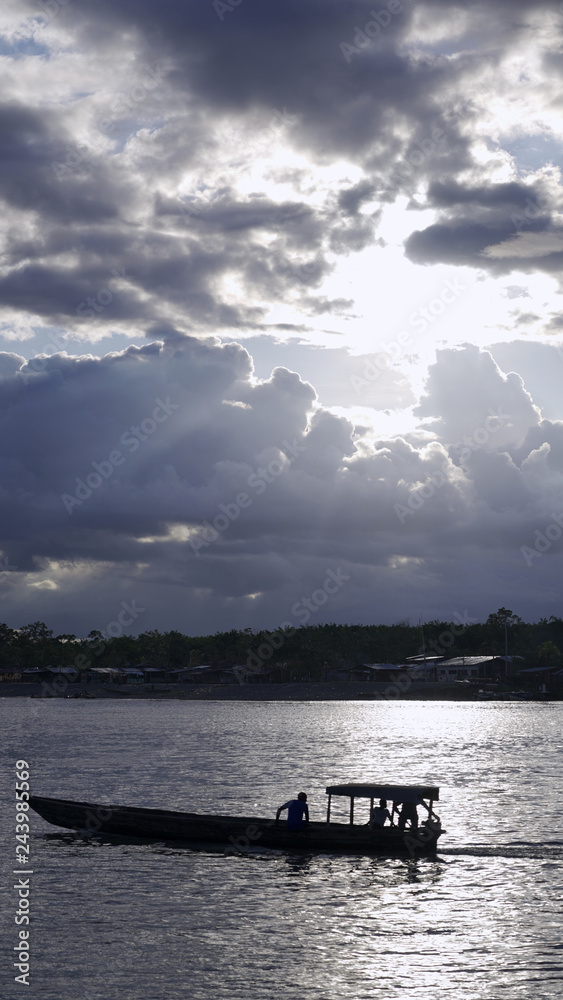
379,666
468,661
459,661
421,658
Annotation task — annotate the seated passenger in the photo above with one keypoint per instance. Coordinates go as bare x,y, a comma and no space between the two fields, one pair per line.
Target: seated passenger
379,815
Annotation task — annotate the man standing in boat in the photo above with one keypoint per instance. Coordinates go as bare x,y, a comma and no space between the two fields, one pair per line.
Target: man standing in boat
408,812
297,813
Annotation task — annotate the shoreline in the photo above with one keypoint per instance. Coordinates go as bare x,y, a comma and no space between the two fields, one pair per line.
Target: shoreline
296,691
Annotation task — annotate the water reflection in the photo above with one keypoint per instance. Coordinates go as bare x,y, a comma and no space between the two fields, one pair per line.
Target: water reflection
481,919
297,866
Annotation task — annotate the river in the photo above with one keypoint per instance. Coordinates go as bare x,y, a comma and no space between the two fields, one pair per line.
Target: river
134,921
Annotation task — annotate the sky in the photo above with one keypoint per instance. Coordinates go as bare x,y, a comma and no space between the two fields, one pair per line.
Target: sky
280,325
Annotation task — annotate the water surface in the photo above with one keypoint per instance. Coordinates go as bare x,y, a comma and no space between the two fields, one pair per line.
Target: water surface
122,920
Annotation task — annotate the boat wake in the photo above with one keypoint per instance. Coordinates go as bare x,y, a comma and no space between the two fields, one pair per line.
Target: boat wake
549,850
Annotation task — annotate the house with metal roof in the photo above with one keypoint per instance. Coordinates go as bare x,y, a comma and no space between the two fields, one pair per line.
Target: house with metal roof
460,668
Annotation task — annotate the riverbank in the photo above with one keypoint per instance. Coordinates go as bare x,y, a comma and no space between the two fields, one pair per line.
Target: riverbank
298,691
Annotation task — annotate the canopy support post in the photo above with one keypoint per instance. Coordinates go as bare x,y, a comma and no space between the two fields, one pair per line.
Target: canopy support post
328,808
429,809
352,810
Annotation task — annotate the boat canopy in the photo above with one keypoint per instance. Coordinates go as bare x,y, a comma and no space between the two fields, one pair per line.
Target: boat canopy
395,793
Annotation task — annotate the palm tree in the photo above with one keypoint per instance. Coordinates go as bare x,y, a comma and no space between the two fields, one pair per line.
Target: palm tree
549,654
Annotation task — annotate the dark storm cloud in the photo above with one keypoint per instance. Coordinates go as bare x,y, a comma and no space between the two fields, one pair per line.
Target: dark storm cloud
447,194
481,227
122,462
288,53
351,199
29,144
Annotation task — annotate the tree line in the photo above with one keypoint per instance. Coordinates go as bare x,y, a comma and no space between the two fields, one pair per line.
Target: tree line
307,652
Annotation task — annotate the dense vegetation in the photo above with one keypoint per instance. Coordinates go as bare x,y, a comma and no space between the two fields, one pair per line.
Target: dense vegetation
302,653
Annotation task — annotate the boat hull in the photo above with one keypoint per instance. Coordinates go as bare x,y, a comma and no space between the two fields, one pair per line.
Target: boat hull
235,832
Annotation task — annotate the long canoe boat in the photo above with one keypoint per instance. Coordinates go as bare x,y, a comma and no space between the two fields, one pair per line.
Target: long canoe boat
238,833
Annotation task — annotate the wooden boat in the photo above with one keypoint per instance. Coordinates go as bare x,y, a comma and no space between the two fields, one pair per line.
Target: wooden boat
238,833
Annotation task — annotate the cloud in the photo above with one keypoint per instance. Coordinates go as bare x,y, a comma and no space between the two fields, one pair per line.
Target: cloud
543,367
172,176
171,470
527,246
487,393
483,227
177,149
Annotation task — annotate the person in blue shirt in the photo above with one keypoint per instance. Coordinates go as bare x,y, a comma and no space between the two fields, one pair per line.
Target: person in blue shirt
297,812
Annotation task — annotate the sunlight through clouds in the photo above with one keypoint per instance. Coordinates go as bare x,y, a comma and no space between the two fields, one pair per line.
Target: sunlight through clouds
325,270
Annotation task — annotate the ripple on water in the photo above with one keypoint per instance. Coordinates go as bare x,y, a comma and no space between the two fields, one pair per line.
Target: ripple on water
480,921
